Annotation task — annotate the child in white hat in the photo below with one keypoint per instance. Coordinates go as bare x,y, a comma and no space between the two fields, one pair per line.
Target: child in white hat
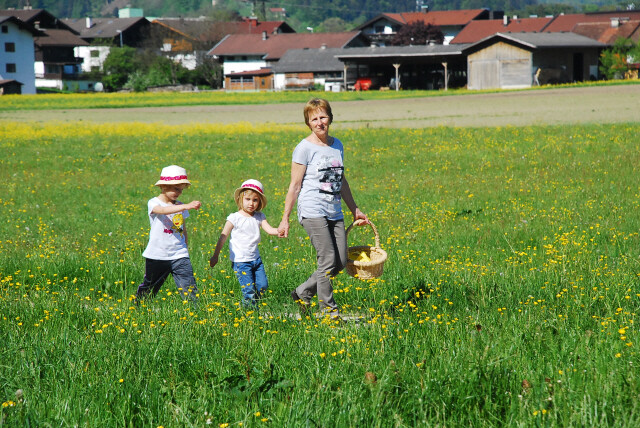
244,227
167,251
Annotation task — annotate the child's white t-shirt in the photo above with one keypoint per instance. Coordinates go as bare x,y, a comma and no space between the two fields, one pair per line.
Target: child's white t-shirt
166,235
245,236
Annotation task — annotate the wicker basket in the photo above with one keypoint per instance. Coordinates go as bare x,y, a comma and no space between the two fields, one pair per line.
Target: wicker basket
363,269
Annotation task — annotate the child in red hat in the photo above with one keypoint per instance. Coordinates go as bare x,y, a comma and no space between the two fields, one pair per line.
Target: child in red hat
244,228
167,251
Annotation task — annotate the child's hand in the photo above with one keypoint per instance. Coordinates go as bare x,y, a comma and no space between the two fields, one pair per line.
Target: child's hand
213,260
194,205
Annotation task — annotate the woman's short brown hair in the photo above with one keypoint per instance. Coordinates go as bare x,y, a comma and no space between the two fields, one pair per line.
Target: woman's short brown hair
317,104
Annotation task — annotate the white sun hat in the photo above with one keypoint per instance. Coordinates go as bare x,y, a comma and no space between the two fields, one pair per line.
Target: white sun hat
173,174
254,185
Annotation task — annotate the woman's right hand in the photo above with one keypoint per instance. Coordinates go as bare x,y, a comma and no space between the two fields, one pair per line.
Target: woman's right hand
283,229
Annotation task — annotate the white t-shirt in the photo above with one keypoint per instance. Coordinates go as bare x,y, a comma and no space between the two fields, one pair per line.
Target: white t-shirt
245,236
166,235
322,182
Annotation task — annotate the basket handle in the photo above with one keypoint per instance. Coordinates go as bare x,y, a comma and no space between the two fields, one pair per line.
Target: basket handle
375,231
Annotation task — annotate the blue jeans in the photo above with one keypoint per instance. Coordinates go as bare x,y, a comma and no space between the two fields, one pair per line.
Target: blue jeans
253,280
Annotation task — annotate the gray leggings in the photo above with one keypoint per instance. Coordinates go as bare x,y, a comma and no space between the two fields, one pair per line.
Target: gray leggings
329,239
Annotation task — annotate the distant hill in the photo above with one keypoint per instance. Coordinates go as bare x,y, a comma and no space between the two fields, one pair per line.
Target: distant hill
330,15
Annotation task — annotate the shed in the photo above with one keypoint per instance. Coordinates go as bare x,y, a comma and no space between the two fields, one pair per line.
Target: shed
10,86
521,60
409,67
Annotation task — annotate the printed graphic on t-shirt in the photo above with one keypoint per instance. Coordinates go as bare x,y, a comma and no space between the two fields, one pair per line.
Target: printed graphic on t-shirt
330,170
173,224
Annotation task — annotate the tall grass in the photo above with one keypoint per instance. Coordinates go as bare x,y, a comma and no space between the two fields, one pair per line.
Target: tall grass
509,298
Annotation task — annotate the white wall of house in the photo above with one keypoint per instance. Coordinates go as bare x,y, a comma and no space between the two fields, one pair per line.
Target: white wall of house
237,65
187,60
279,81
93,57
22,58
381,26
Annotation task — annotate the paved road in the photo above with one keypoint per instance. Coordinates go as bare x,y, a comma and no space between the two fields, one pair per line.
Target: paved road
608,104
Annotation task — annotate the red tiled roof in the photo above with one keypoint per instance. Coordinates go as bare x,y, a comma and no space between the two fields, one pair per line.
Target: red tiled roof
478,30
438,17
277,44
249,26
605,33
261,72
568,22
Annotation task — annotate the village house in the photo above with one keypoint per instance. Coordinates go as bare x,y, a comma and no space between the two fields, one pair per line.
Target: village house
56,66
187,40
101,34
251,54
381,29
304,69
17,56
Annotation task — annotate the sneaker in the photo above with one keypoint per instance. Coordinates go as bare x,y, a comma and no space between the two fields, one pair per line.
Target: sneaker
304,306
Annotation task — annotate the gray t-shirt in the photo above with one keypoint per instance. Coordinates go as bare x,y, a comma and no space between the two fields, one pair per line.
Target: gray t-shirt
322,182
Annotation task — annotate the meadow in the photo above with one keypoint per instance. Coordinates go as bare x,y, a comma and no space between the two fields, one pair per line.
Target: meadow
509,298
74,101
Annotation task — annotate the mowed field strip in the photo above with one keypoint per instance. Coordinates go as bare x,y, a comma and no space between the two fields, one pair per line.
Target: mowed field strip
601,104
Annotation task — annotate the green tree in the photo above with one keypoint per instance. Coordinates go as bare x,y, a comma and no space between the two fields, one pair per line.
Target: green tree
119,64
613,61
332,25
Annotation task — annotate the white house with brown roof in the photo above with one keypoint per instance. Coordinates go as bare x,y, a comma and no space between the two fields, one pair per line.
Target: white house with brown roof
241,53
383,27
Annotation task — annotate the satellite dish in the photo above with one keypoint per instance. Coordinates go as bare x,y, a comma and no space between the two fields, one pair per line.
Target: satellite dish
99,87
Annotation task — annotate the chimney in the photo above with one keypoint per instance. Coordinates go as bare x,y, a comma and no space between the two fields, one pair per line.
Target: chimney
264,35
615,22
505,20
323,46
36,25
88,22
424,8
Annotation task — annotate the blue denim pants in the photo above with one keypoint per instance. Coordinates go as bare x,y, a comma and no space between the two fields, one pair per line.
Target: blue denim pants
253,280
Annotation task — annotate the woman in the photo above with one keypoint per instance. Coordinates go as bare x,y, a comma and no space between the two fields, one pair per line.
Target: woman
318,184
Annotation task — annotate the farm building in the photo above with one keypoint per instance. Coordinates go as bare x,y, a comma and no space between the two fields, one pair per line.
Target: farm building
521,60
407,67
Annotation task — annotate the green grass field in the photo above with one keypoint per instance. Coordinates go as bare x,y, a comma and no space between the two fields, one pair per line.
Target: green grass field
509,298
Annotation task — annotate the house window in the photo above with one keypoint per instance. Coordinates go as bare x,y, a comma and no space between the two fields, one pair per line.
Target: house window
5,29
9,47
95,53
11,68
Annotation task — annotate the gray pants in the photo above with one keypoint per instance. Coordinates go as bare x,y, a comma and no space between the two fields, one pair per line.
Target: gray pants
329,239
157,271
